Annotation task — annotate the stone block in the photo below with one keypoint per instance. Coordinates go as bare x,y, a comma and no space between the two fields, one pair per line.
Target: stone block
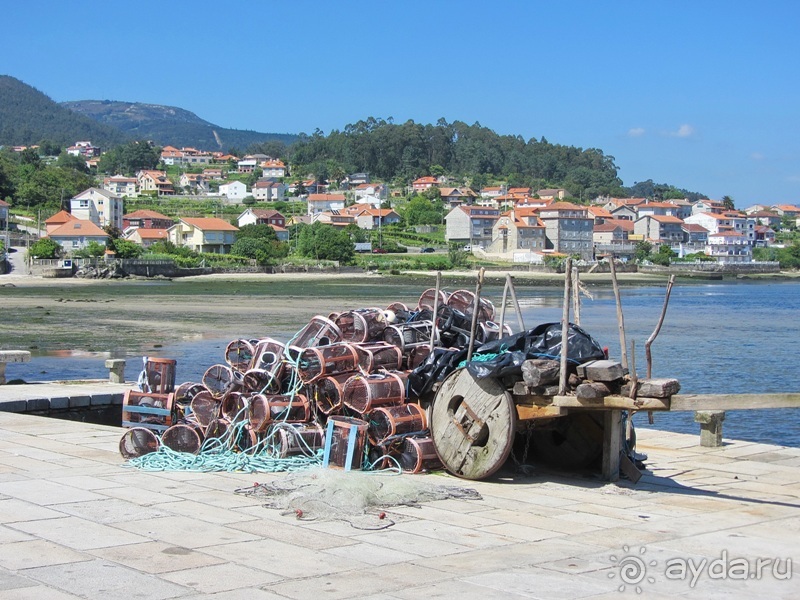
100,399
37,404
15,406
59,403
80,401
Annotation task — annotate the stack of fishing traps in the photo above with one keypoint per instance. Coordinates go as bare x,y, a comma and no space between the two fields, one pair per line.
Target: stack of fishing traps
339,387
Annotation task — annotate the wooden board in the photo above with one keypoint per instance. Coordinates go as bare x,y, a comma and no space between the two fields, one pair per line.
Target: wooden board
734,401
472,425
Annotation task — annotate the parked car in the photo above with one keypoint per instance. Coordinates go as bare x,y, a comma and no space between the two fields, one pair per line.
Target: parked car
428,249
378,251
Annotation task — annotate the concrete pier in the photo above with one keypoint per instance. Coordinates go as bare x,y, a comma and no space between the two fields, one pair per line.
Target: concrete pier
75,522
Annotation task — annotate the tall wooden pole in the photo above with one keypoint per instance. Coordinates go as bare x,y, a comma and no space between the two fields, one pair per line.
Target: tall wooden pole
434,330
620,318
510,284
576,296
562,381
653,335
475,309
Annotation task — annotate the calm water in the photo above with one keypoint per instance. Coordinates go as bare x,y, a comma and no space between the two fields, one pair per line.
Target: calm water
727,338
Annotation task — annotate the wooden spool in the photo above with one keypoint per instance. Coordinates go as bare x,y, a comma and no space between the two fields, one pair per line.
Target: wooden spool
239,355
138,441
364,393
389,421
147,409
314,363
183,437
418,455
472,424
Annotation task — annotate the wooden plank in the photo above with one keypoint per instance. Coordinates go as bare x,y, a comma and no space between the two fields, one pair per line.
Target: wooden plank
612,438
611,402
733,401
527,413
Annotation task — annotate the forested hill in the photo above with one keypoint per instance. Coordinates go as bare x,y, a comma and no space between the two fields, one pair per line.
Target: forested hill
403,152
28,117
169,125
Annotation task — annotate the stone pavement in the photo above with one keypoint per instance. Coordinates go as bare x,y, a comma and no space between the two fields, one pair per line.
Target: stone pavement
76,523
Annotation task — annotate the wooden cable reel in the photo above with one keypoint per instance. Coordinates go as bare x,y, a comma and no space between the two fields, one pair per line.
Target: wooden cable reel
472,423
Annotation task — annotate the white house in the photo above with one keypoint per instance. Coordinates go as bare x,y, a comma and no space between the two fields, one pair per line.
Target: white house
101,207
273,168
324,202
268,191
233,190
120,186
77,234
729,246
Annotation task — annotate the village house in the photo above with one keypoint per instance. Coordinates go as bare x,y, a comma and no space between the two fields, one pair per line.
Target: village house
318,203
370,193
268,191
146,237
57,220
457,196
661,209
249,163
273,167
194,183
101,207
659,228
84,149
77,234
357,179
683,207
4,214
120,186
707,206
600,214
787,210
208,234
146,219
235,191
729,246
155,181
471,225
373,218
765,236
568,228
213,173
334,217
694,234
518,229
766,217
713,222
546,194
185,156
424,183
260,216
610,232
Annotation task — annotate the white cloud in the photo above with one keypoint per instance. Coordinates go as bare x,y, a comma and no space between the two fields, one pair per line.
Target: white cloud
636,132
757,156
683,131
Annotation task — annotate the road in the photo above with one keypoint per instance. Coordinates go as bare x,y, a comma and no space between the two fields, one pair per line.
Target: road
16,258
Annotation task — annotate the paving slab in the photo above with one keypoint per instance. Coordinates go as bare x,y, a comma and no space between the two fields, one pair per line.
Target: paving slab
76,522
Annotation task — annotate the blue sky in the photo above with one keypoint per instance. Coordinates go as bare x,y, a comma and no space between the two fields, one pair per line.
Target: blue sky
699,94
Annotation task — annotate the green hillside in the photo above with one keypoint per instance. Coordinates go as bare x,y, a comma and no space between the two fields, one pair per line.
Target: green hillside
27,116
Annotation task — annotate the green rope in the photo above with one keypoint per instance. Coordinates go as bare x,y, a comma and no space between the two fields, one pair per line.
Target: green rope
480,358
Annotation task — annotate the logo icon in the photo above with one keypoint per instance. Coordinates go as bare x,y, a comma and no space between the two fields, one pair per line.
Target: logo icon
632,569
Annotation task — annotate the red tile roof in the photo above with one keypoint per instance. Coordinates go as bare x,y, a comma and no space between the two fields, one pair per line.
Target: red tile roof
78,228
209,224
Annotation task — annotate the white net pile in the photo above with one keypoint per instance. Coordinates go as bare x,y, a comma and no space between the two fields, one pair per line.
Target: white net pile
357,497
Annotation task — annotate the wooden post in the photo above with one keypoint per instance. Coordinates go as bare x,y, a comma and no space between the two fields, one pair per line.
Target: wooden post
475,309
434,330
576,296
116,370
562,382
503,306
510,283
612,432
620,319
653,335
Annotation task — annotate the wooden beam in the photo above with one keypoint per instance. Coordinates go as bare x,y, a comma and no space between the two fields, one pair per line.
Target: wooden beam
612,439
733,401
612,402
527,413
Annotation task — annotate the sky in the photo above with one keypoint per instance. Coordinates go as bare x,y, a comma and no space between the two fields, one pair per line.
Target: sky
701,94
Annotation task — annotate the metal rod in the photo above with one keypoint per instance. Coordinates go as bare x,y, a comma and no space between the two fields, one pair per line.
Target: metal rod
510,283
476,308
653,335
434,329
620,318
562,381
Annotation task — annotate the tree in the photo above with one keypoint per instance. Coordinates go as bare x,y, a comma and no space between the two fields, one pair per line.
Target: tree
258,231
325,242
44,248
728,203
95,249
125,248
70,161
263,250
642,251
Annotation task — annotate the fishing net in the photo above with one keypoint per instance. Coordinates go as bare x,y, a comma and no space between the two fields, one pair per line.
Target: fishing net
358,498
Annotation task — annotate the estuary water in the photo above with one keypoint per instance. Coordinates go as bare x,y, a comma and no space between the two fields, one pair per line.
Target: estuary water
740,337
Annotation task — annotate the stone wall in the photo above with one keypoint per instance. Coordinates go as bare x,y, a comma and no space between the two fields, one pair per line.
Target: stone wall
714,267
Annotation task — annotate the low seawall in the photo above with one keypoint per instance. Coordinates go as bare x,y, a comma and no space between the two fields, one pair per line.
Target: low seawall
744,268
